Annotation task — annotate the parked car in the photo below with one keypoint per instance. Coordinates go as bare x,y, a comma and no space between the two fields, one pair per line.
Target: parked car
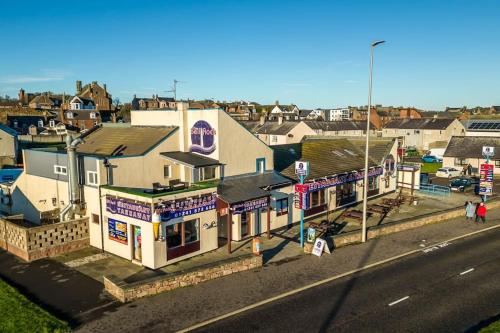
448,172
431,159
461,184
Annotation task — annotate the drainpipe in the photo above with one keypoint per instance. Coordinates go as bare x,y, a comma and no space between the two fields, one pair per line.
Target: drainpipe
73,176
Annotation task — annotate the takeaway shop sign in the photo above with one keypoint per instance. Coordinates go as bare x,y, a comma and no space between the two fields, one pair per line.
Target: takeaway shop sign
171,209
247,206
137,210
338,180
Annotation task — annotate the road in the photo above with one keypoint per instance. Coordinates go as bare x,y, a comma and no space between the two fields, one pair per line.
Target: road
450,288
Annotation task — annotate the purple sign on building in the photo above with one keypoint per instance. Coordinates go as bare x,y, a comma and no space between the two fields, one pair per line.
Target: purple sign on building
202,138
250,205
137,210
171,209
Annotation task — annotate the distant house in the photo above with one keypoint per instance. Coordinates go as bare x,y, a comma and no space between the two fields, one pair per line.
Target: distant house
100,96
155,102
288,112
278,132
22,123
83,119
45,101
424,133
80,103
8,146
482,127
464,150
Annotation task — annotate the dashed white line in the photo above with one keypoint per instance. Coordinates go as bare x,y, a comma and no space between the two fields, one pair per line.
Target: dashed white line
467,271
399,300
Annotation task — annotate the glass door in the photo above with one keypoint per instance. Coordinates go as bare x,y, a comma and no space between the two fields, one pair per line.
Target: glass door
137,251
245,217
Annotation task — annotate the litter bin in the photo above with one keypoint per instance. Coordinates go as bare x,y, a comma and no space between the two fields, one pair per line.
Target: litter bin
256,246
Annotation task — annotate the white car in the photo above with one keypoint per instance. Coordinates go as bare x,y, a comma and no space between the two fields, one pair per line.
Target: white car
448,172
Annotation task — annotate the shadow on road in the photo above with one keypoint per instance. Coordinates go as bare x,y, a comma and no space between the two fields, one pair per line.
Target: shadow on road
482,324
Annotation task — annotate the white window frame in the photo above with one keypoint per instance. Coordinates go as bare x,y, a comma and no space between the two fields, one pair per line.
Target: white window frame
92,178
61,170
169,168
274,138
202,173
40,123
69,115
93,115
52,123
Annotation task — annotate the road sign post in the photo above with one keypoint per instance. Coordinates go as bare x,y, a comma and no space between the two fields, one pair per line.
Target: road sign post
302,170
486,173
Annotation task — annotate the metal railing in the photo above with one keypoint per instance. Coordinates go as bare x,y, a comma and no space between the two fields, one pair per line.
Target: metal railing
435,189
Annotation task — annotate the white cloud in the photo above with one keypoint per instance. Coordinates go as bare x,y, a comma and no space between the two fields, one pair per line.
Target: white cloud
46,75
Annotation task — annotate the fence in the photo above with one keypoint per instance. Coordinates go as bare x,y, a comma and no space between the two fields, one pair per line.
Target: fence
435,189
32,243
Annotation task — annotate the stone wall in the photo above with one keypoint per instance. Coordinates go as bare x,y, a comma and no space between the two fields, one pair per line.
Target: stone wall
32,243
411,223
126,292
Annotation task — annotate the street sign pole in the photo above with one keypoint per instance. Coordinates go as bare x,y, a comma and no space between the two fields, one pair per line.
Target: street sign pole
487,162
301,179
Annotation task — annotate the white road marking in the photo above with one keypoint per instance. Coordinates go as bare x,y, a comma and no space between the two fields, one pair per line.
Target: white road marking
467,271
399,300
320,282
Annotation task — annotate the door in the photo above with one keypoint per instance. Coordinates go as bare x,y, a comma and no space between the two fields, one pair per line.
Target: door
245,223
137,250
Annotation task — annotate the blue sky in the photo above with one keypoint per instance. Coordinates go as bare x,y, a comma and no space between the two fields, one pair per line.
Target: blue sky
312,53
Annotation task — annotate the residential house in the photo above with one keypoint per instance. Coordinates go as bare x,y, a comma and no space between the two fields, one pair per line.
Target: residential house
46,101
349,128
155,102
482,127
424,133
22,123
100,96
288,112
83,119
464,150
8,146
282,132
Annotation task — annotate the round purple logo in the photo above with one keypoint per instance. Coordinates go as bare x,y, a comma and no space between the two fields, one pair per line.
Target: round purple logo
202,138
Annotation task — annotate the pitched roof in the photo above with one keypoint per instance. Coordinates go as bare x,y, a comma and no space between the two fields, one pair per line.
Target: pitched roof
421,123
250,125
342,125
190,159
124,141
471,146
247,187
305,113
81,114
8,130
330,156
276,128
480,125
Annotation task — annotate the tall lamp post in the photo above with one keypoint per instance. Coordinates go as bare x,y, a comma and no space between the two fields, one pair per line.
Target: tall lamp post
365,182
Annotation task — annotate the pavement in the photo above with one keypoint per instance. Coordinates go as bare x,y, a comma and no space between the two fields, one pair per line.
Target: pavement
61,290
449,289
185,307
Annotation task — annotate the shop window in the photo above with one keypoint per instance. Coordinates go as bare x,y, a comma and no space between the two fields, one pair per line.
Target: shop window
318,198
191,232
372,183
207,173
282,207
167,171
92,178
60,170
174,235
461,161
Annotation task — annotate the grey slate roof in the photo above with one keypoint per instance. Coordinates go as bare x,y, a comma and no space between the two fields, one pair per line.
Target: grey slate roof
305,113
124,141
8,130
343,125
330,156
189,159
471,146
275,128
247,187
421,123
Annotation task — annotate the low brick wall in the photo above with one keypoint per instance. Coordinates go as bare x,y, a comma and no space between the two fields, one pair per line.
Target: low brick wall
126,292
354,237
32,243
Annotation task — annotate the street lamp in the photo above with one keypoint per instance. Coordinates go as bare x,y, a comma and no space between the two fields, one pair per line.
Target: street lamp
365,182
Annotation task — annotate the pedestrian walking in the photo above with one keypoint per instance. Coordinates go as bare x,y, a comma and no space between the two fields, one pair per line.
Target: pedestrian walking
470,210
481,213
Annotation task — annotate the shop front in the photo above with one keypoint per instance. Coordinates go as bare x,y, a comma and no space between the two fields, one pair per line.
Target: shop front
155,231
335,191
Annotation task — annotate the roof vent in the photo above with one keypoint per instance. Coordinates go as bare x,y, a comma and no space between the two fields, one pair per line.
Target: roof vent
350,152
338,153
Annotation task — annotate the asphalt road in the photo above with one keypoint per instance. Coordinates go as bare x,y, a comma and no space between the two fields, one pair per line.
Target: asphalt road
453,288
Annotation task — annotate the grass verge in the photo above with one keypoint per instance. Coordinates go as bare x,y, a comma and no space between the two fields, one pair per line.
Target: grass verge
493,328
18,314
430,167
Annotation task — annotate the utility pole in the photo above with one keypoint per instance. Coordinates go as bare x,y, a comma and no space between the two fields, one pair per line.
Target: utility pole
365,181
